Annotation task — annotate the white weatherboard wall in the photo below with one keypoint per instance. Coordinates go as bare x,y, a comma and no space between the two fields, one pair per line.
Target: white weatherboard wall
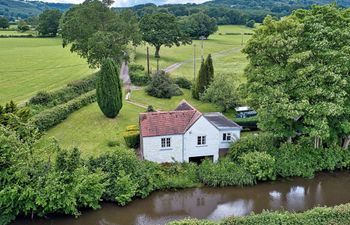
202,127
153,151
235,136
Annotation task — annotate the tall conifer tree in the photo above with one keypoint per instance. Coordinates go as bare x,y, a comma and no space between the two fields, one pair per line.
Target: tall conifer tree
109,90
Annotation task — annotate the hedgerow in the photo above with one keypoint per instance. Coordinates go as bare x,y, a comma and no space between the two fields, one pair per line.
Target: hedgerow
53,116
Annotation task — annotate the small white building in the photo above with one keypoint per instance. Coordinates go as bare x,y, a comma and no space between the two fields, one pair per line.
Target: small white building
185,135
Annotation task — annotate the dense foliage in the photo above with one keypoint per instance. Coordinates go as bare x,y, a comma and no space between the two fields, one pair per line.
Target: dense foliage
4,22
108,89
199,25
204,78
138,76
222,91
132,136
95,31
65,94
162,29
162,86
183,82
49,22
317,216
300,87
50,117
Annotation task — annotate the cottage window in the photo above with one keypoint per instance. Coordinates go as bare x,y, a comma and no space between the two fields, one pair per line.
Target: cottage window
166,142
226,136
201,140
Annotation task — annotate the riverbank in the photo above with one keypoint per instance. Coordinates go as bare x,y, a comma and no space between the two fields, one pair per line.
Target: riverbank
216,204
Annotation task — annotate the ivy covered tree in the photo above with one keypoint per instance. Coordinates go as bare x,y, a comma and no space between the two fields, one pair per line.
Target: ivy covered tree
298,75
160,29
205,77
109,90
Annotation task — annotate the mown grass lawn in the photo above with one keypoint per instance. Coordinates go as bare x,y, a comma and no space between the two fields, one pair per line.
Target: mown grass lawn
29,65
226,51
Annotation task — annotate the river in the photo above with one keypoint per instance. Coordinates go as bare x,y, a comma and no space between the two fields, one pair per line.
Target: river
295,194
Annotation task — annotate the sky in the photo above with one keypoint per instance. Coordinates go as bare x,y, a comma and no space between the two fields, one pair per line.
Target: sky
124,3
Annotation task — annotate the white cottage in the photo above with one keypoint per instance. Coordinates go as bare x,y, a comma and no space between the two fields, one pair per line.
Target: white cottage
185,135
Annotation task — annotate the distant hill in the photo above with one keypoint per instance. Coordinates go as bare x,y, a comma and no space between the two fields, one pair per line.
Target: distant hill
16,9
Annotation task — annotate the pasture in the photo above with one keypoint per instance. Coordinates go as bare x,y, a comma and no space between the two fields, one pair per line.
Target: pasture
29,65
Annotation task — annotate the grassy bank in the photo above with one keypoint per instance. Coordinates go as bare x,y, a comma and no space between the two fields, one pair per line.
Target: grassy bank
29,65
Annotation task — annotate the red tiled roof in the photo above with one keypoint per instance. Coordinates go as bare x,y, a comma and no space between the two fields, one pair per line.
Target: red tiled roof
167,123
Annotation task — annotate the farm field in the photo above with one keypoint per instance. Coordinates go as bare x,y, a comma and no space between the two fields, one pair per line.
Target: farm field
15,32
29,65
225,49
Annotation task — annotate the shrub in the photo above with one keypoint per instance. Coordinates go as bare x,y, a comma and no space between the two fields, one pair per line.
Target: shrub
262,142
139,78
162,86
249,122
134,67
250,23
150,109
63,95
53,116
132,138
224,173
132,128
108,89
112,143
182,82
125,188
260,164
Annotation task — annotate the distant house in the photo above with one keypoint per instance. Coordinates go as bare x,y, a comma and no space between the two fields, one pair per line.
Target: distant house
185,135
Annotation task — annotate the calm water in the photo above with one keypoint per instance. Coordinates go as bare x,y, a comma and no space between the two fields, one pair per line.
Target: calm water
216,203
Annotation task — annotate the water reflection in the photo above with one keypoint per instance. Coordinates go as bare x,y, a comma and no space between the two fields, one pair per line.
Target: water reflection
216,203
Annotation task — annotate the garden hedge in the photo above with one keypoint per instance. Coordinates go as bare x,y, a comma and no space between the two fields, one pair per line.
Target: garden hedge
53,116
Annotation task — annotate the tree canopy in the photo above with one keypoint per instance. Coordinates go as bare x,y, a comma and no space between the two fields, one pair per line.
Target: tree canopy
298,75
198,25
162,29
4,22
49,22
96,32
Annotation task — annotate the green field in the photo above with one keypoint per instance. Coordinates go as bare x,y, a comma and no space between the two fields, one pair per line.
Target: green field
28,65
225,49
16,33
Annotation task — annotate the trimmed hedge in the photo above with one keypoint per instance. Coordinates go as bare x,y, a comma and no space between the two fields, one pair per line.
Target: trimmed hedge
337,215
132,136
183,82
70,91
53,116
248,123
139,78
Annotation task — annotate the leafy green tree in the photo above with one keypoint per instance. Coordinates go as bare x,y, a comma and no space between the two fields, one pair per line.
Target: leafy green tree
49,22
162,29
95,31
22,26
222,91
250,23
210,68
199,24
300,86
108,89
4,22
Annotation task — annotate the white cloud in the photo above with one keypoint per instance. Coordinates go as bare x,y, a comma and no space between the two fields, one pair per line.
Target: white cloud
124,3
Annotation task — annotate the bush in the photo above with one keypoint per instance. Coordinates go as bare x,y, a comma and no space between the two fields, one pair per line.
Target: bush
139,78
182,82
224,173
132,128
317,216
134,67
262,142
249,122
53,116
112,143
63,95
132,138
260,164
162,86
150,109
